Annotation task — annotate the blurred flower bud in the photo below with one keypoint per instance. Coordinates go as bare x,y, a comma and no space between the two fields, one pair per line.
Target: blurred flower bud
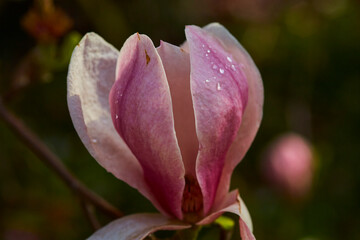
288,165
45,22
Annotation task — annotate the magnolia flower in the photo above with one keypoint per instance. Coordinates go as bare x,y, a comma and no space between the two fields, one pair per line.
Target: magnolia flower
288,165
172,122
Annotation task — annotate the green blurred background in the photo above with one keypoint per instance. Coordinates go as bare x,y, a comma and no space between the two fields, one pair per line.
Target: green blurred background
308,53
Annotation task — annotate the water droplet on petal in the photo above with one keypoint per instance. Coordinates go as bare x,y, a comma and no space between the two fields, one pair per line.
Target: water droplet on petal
208,51
203,45
214,66
116,116
229,59
221,71
206,54
94,140
233,67
207,80
218,87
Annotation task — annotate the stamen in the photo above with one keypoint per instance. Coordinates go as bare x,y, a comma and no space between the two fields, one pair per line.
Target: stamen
192,203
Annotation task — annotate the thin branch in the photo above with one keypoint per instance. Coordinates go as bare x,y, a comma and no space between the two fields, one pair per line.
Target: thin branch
54,163
90,214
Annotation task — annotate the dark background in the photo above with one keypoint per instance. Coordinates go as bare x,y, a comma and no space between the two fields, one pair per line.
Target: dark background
308,53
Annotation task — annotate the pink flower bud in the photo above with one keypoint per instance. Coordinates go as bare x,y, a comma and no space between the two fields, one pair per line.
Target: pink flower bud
288,165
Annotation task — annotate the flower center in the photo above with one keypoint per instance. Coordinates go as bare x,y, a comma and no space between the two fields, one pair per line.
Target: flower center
192,202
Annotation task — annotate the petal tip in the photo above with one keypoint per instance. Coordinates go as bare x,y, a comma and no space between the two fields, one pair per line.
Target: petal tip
91,36
192,29
213,24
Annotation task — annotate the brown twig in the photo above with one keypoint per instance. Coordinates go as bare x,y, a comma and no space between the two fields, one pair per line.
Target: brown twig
90,214
54,163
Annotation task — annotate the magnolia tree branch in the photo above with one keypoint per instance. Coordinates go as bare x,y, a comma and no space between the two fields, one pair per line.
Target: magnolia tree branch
54,163
89,212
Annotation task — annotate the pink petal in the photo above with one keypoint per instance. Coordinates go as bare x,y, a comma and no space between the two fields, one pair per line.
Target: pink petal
141,110
245,231
234,204
253,112
137,227
91,75
177,68
219,90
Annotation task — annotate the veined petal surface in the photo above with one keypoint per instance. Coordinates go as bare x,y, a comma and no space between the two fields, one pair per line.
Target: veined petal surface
142,114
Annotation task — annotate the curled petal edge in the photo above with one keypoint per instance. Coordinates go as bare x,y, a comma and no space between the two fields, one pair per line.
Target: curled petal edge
137,227
233,204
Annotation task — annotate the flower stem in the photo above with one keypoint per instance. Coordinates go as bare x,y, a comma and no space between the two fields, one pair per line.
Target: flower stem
187,234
